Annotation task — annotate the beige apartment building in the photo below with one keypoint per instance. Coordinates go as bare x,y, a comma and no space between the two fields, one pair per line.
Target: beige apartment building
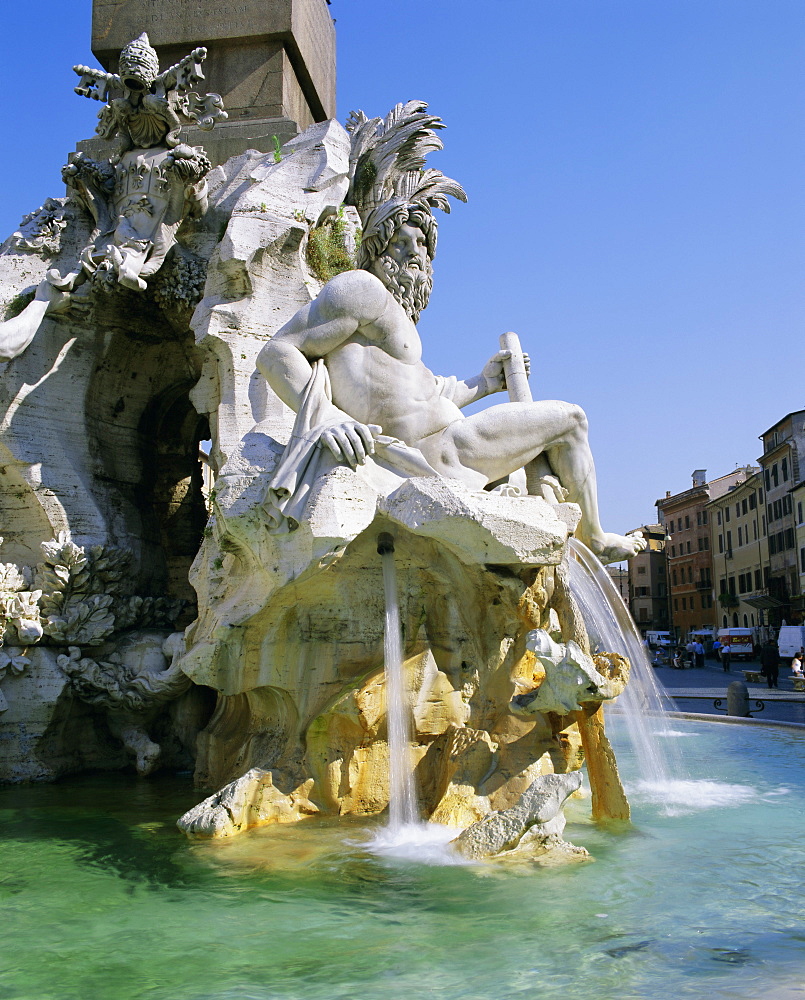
783,465
739,544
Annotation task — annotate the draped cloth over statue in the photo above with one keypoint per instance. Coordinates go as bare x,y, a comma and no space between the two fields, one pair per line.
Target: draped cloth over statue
305,458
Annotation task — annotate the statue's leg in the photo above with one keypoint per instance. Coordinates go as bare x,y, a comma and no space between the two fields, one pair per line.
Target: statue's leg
503,438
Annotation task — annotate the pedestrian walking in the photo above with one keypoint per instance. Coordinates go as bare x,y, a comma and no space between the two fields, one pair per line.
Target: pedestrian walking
770,663
698,650
725,657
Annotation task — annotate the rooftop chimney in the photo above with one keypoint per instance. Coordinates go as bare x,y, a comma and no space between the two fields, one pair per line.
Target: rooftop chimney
700,478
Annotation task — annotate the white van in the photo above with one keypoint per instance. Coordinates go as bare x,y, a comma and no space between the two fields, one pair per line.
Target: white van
656,639
790,640
739,640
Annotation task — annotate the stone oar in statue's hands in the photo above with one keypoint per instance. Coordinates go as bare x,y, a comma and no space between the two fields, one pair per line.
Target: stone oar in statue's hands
609,800
540,479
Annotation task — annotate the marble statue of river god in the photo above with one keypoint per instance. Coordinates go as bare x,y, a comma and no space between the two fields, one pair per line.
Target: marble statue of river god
362,326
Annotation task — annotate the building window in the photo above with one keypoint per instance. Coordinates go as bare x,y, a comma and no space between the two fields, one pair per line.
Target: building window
676,604
752,501
743,506
760,498
785,469
687,521
720,543
729,543
688,546
737,510
642,614
766,480
799,512
684,604
775,476
718,517
690,574
726,514
704,517
673,550
641,569
802,560
673,577
759,578
754,531
740,537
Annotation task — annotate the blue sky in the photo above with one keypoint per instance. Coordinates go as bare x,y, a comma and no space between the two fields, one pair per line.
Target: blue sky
636,212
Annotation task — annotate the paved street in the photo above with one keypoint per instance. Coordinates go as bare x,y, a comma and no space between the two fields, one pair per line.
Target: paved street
695,690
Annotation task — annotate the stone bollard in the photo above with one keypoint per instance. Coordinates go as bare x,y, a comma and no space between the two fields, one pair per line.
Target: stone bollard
738,699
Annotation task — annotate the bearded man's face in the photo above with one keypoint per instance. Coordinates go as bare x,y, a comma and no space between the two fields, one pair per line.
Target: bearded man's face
405,269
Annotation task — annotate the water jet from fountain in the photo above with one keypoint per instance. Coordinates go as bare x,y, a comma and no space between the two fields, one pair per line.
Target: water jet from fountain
403,808
612,628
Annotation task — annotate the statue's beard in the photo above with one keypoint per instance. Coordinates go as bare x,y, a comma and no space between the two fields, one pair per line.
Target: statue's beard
409,286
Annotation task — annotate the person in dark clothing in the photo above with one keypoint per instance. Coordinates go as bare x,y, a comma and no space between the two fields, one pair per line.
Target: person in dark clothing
770,662
724,653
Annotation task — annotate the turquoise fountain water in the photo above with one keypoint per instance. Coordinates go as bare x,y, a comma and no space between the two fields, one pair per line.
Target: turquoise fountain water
102,897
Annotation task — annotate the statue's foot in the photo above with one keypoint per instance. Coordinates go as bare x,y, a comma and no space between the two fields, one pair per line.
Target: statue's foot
611,548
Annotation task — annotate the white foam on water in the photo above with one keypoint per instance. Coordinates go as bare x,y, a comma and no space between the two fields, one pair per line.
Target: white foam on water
426,843
776,792
671,732
682,797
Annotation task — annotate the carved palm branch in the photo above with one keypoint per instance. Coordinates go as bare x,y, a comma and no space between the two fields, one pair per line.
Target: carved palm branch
387,161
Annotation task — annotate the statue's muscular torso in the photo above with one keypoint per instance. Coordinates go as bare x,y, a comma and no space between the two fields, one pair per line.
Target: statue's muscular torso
374,357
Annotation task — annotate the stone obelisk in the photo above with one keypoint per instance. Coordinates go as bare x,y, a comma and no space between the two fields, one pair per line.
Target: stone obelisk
272,61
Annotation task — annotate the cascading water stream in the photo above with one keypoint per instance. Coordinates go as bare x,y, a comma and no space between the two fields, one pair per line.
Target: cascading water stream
403,810
611,628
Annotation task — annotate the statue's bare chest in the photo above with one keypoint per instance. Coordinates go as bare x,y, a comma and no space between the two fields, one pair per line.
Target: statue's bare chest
395,335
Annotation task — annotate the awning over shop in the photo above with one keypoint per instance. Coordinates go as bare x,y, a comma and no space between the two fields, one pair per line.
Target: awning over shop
764,603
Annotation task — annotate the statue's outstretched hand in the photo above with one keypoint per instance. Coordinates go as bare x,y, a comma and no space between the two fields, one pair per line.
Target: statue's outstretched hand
493,374
351,441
